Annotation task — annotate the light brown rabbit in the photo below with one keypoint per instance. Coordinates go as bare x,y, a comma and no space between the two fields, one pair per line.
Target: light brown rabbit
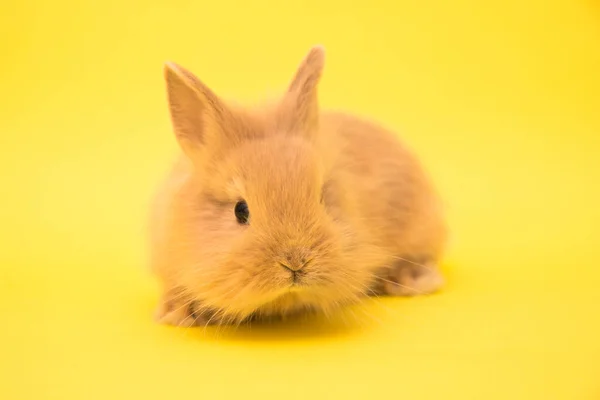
286,209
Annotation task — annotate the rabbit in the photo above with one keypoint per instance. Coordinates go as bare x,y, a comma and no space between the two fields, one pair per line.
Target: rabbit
285,209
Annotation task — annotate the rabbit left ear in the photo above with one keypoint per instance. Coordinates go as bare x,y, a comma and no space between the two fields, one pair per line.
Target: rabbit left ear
200,119
300,103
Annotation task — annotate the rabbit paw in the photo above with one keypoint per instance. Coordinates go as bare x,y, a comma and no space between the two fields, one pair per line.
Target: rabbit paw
179,310
411,278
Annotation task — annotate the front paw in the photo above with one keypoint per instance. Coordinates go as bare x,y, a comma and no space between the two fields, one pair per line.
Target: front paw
410,278
177,309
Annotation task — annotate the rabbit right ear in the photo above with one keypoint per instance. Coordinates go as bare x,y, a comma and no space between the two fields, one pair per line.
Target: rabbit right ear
301,108
197,114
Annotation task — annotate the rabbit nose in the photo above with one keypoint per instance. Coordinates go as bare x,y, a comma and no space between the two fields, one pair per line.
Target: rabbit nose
295,259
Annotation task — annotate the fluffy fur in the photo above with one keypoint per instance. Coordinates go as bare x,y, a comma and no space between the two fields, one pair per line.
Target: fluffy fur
339,208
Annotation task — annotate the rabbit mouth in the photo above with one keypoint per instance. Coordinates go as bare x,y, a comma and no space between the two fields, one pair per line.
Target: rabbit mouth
297,279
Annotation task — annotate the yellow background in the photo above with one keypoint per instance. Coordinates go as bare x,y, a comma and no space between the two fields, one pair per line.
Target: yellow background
501,99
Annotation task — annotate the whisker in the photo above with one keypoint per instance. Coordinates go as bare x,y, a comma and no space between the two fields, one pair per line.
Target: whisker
182,325
400,285
413,263
376,300
185,304
208,321
366,313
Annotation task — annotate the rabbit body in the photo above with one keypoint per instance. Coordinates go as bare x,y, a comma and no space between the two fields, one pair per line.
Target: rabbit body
286,208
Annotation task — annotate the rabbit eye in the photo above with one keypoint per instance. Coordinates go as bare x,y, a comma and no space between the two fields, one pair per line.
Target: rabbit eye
241,212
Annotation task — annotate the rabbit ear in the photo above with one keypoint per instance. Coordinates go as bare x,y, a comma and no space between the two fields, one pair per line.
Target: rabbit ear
301,100
197,114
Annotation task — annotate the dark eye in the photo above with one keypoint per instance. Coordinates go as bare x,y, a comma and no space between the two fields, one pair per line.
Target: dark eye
241,212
